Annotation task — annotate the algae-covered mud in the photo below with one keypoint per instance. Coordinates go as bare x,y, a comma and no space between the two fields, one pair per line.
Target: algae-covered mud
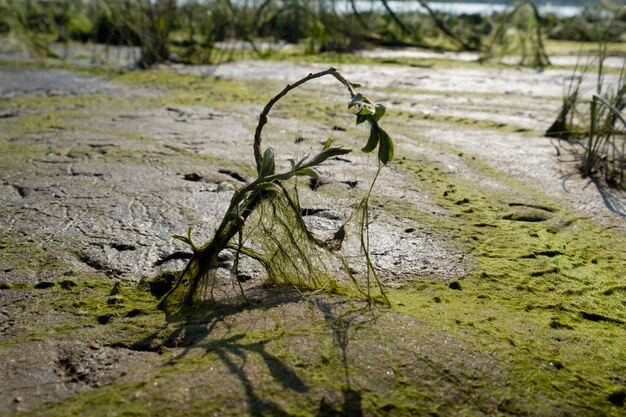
505,269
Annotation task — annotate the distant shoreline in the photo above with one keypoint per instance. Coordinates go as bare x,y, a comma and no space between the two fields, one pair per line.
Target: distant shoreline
560,8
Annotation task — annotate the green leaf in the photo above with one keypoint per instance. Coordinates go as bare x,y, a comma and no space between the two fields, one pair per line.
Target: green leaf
372,142
385,152
360,118
327,143
379,112
608,105
286,175
355,85
309,172
266,187
186,239
267,164
327,153
366,110
181,237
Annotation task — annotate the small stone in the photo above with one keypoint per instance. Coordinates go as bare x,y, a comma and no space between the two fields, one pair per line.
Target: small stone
17,399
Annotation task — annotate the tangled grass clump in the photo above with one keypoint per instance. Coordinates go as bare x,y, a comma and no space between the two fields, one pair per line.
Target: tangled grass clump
597,131
264,221
604,152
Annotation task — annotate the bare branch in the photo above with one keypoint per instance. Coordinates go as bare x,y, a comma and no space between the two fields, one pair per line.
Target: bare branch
263,117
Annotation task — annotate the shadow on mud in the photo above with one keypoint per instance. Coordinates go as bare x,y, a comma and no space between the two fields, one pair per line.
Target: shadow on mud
190,330
613,199
343,323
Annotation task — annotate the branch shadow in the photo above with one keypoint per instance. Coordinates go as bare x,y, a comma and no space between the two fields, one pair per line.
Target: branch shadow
285,376
345,325
614,199
189,329
611,198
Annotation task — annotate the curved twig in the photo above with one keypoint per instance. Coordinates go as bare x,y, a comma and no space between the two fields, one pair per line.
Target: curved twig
395,18
263,116
444,28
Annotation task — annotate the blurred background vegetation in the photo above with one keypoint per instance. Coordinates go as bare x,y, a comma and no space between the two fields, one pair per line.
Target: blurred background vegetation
205,32
215,31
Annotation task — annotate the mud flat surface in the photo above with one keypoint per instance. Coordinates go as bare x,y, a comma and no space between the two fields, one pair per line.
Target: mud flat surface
505,269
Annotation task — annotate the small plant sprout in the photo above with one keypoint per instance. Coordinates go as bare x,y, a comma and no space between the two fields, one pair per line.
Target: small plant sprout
264,220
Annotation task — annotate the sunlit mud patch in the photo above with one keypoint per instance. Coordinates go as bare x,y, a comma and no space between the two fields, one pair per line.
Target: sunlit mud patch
400,249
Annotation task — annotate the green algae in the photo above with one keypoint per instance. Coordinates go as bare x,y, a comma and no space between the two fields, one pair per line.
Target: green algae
548,350
544,295
284,371
30,260
189,89
525,259
56,300
179,387
569,48
474,123
76,307
541,297
546,299
162,283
